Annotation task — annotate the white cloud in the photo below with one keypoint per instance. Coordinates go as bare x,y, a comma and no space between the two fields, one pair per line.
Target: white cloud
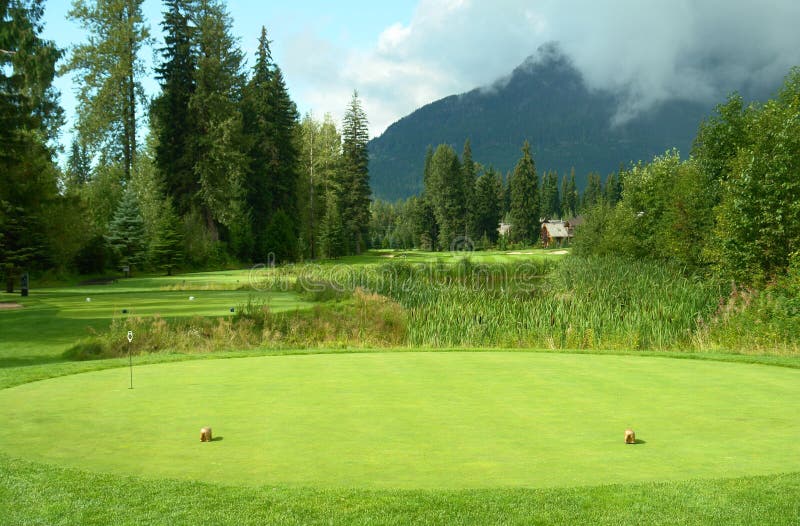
650,51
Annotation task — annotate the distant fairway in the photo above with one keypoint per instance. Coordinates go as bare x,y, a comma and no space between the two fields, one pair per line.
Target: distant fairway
54,318
415,420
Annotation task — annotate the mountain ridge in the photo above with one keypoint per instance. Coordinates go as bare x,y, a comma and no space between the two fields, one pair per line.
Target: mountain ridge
546,101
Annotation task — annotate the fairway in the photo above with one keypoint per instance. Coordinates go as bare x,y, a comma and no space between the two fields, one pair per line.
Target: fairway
415,420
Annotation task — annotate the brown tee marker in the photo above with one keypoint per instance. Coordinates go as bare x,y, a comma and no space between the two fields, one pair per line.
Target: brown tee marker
205,434
630,436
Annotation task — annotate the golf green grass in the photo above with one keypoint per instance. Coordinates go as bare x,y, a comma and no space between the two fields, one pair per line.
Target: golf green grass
414,420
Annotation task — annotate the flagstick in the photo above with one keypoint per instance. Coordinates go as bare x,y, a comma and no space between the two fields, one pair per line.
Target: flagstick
130,356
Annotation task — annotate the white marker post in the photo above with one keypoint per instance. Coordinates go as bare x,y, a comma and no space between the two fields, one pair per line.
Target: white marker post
130,357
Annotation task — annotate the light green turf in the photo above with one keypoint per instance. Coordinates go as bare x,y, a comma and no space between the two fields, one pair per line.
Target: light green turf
54,318
419,256
415,420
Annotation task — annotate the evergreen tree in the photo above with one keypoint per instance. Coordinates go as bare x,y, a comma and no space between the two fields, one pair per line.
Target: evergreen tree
331,238
446,193
172,122
79,166
525,216
126,234
593,192
426,173
259,126
166,247
488,201
550,201
221,163
612,190
354,177
469,173
107,69
281,238
29,116
570,196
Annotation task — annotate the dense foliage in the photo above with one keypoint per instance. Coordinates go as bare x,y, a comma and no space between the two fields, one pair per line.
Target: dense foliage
31,211
731,209
226,172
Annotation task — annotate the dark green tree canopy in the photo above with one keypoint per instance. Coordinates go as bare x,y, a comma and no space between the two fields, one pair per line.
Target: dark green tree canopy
524,189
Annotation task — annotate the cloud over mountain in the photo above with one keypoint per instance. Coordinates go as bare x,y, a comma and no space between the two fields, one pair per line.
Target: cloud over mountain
649,52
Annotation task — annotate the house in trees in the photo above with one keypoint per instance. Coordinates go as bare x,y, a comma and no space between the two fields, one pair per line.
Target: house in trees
556,233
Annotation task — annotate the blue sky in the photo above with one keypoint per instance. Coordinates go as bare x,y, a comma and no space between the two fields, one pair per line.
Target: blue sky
403,54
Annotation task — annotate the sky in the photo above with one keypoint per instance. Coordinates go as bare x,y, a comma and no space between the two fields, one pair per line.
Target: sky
403,54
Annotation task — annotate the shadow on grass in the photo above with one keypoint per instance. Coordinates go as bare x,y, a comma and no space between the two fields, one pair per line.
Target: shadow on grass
216,439
638,441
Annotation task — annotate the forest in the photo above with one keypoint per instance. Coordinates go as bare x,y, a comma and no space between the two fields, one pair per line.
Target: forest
217,169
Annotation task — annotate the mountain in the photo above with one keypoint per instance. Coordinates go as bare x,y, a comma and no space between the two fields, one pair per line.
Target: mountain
546,101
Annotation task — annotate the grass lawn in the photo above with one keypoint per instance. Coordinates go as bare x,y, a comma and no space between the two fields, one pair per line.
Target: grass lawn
415,420
54,318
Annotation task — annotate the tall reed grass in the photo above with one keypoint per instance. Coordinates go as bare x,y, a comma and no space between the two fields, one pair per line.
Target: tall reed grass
574,303
578,303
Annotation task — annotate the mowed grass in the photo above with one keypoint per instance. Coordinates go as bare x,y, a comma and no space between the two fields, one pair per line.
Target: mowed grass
53,318
478,257
441,421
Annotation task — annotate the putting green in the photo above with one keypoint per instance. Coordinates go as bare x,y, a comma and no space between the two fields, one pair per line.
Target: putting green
415,420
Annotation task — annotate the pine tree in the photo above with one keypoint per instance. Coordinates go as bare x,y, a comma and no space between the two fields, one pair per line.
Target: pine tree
221,162
469,173
550,202
488,201
354,187
612,189
593,192
281,238
331,238
126,233
79,166
285,123
29,116
166,247
525,216
445,190
259,127
108,68
571,197
172,122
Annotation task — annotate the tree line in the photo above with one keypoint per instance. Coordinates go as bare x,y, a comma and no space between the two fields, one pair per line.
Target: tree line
226,172
731,209
466,202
